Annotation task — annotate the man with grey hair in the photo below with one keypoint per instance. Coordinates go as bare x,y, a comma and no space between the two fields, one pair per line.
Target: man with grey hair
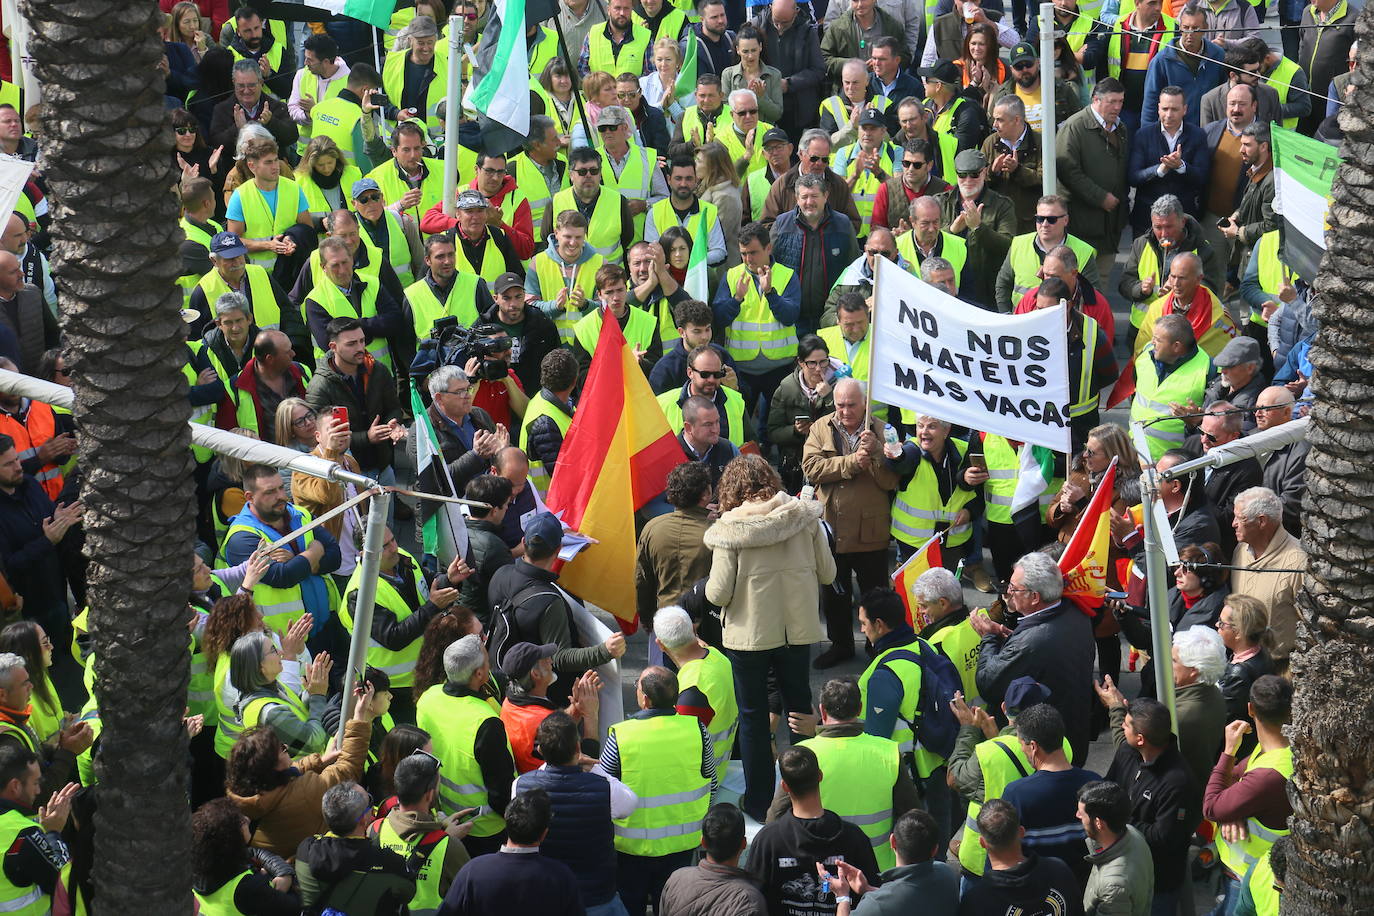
813,158
1199,658
944,622
58,760
1014,156
706,684
939,273
1268,563
1285,471
250,104
471,743
1221,425
1145,275
634,170
468,438
344,867
1052,642
539,171
843,459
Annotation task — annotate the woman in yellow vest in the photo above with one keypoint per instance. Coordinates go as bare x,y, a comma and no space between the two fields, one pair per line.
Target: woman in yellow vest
941,494
554,86
224,879
27,640
262,210
255,663
325,178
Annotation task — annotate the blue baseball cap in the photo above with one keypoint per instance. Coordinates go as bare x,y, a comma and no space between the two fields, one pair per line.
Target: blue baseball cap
363,185
1023,693
544,530
227,245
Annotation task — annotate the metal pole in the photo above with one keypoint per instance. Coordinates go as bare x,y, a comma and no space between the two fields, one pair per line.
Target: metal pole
1050,180
453,113
367,596
1161,639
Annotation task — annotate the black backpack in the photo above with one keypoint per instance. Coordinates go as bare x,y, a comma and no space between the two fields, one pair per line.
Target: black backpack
507,628
935,726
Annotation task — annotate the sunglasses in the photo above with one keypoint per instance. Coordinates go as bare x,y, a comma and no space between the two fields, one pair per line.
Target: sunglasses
607,128
369,197
1051,220
708,374
585,172
908,164
971,174
1024,65
746,112
438,764
814,159
1208,437
185,131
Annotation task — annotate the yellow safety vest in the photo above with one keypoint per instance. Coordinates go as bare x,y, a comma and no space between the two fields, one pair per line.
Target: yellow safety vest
1262,891
1086,399
263,222
205,414
867,768
1114,40
694,129
393,82
905,663
452,723
388,178
221,902
428,870
493,261
1002,762
544,50
917,510
552,278
665,216
670,26
530,182
1243,856
756,331
314,196
1003,469
713,676
194,233
839,349
425,307
1147,269
540,406
261,300
397,252
959,643
629,58
734,413
1281,81
952,248
867,188
1272,271
1221,331
332,299
255,710
729,138
660,760
339,120
1026,262
1152,399
640,329
274,53
837,106
635,181
310,87
604,227
759,186
399,664
29,900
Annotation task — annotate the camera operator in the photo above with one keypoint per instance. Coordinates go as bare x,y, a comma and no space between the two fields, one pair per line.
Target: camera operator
498,389
532,333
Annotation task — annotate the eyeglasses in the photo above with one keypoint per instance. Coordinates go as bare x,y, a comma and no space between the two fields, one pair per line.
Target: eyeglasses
369,197
305,420
606,129
1225,625
629,95
1018,590
1091,452
486,171
908,164
586,172
185,131
470,17
975,174
709,374
1024,65
459,393
1048,220
816,363
746,112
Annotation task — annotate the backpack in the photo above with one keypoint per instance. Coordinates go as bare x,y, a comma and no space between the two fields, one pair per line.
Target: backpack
936,727
506,628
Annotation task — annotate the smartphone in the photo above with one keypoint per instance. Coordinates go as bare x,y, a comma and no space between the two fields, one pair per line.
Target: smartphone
801,418
978,461
341,414
1223,222
1112,593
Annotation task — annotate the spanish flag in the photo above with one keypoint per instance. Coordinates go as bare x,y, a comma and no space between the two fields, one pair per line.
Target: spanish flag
615,458
905,576
1084,561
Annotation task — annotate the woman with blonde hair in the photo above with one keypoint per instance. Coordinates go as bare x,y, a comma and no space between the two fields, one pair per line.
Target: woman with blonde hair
769,558
185,27
660,86
598,92
718,183
326,177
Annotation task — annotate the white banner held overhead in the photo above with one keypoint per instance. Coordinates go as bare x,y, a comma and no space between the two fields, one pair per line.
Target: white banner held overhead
937,355
14,173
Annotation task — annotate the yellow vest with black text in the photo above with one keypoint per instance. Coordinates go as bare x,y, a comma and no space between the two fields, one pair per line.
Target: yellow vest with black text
332,299
425,307
660,761
263,222
24,901
399,664
261,299
734,413
221,902
904,662
756,331
918,511
194,233
1026,262
452,723
1243,856
310,87
629,58
959,643
397,252
999,771
393,82
640,329
603,229
713,675
427,872
551,279
540,406
635,181
863,770
339,120
1152,398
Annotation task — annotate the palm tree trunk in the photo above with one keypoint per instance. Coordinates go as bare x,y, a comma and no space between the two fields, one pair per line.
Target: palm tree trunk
1333,710
106,155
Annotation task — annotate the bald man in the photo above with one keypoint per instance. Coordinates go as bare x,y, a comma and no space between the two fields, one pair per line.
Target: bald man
18,241
25,315
1285,471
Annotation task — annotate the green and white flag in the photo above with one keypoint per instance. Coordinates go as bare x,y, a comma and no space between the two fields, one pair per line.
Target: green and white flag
1303,171
1037,470
696,264
454,538
376,12
504,93
687,76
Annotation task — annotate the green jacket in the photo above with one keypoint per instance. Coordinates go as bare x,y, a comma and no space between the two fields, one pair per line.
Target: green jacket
841,41
987,245
1122,880
963,765
1090,168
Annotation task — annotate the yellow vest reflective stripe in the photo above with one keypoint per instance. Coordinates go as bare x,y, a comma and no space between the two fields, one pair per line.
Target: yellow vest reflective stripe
530,182
1114,40
944,121
280,607
904,662
629,58
1152,399
543,52
867,767
953,249
22,732
256,709
959,643
540,406
734,145
552,278
24,901
314,196
228,727
388,178
274,53
1086,399
868,187
338,119
694,129
1272,271
635,181
999,771
427,871
261,299
1281,81
310,86
838,347
917,510
397,252
425,307
1003,469
705,217
660,760
399,664
756,331
603,229
1026,261
1147,269
640,329
1241,857
194,233
713,676
759,186
452,723
330,298
261,221
221,902
393,82
836,106
205,414
1221,331
734,413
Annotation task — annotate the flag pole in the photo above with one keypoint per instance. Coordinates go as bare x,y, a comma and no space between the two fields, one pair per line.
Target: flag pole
1161,639
576,80
453,113
872,335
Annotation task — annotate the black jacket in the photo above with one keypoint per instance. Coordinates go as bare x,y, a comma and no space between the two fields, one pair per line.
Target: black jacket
487,553
331,388
796,54
387,631
1038,886
1236,680
1166,805
32,563
1223,485
352,872
224,130
671,370
1286,474
1142,171
545,438
532,343
783,858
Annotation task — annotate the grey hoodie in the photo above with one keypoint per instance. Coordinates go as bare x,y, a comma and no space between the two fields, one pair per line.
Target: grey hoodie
548,306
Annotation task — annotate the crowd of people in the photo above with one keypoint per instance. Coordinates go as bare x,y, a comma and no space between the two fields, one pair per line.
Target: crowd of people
778,151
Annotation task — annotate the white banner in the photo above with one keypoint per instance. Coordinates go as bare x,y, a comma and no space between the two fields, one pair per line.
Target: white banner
13,175
937,355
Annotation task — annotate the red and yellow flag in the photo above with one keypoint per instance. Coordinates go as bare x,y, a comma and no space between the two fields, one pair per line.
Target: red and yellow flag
615,458
905,576
1084,562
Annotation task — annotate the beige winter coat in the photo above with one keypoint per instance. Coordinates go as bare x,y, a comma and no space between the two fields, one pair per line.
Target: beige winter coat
768,561
1278,592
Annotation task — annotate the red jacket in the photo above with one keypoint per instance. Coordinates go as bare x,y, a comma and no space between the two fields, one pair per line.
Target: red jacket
246,385
1098,309
520,230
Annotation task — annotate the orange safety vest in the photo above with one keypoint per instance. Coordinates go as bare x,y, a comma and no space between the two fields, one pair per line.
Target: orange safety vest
521,723
38,427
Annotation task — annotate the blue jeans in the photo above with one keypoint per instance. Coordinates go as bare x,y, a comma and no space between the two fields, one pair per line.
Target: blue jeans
791,665
1231,886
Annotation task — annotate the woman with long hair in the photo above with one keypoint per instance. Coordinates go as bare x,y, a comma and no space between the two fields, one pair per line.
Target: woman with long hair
718,183
979,64
1104,443
806,393
1068,69
326,177
185,27
752,73
227,875
399,743
441,632
1244,628
297,427
281,796
27,640
255,663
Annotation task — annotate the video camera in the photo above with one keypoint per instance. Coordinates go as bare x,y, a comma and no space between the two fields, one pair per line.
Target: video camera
451,344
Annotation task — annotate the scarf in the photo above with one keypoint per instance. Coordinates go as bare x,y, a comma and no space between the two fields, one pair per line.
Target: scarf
1155,33
1199,312
328,181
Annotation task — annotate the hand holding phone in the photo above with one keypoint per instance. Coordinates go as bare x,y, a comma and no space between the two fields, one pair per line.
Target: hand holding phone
340,415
